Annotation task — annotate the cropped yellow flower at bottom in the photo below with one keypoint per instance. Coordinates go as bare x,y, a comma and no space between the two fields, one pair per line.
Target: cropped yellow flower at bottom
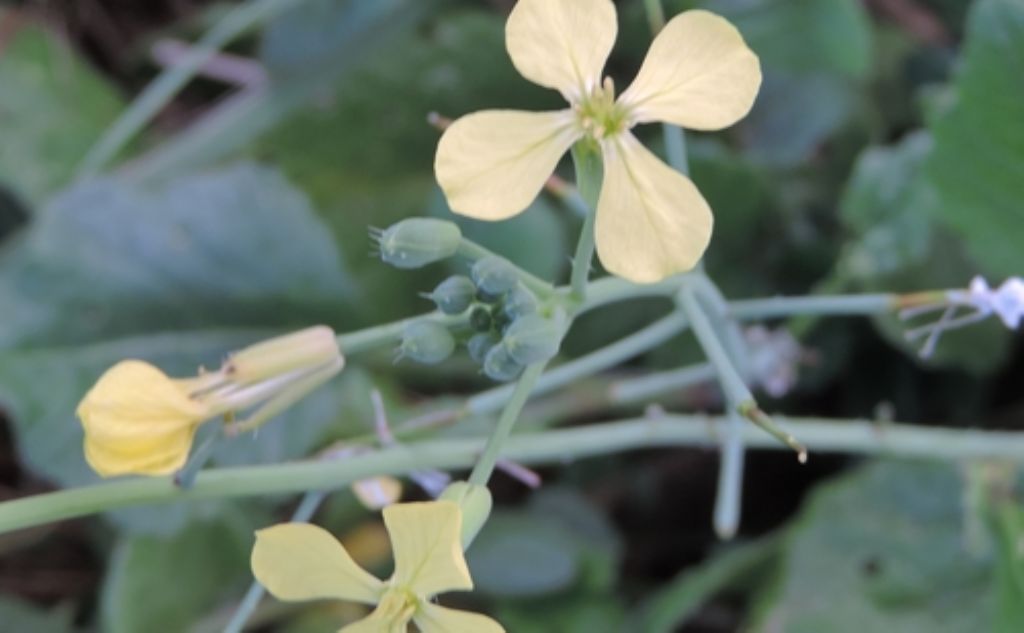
298,561
651,220
138,420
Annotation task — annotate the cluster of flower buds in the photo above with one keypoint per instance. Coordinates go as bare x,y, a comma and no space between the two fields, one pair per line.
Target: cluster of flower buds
508,330
981,302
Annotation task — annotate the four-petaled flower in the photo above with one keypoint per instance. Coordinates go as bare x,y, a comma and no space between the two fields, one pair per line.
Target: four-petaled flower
298,561
651,220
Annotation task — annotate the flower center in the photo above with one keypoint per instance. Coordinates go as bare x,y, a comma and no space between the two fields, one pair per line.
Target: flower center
397,606
599,115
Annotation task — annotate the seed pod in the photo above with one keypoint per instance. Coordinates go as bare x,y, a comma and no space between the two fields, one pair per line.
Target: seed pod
494,275
416,242
500,366
532,339
480,319
426,342
475,502
453,295
479,344
518,302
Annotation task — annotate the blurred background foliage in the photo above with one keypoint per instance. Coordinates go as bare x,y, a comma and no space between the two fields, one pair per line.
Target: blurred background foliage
885,152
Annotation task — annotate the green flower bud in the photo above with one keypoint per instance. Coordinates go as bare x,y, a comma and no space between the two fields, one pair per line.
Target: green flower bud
532,339
518,302
416,242
480,319
486,297
479,344
475,503
426,342
494,275
500,366
453,295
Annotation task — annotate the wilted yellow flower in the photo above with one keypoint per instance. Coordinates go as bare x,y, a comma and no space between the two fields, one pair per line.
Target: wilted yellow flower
651,220
138,420
298,561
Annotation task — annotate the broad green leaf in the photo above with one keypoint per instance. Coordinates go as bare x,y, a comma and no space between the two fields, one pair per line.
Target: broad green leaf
882,549
977,167
166,584
236,247
52,108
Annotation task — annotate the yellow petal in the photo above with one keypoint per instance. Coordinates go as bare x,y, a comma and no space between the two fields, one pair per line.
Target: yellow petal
562,44
134,398
425,538
299,561
377,492
698,74
651,220
157,455
137,420
492,164
432,618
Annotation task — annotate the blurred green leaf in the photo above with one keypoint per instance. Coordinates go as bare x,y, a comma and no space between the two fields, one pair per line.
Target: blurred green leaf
52,108
237,247
803,35
669,607
21,616
566,614
882,550
794,114
159,584
888,205
521,554
977,167
535,239
1008,527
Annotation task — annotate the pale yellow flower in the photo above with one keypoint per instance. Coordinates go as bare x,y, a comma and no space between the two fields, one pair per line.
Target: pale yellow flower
137,420
299,561
651,220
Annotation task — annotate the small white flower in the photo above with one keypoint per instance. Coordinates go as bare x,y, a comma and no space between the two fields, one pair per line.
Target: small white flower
1006,302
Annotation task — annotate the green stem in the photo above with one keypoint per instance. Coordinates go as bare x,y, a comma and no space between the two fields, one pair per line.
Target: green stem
161,90
503,429
472,250
657,384
608,290
849,436
640,341
736,392
390,333
846,305
587,161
